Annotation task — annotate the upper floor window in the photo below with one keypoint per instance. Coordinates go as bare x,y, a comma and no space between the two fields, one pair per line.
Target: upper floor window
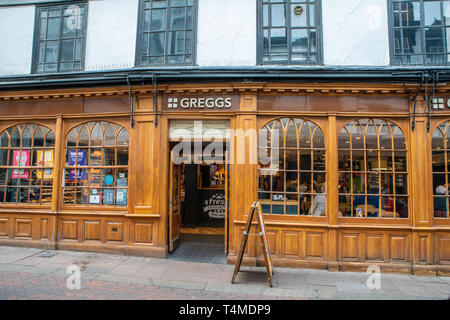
420,32
290,32
26,164
59,39
166,34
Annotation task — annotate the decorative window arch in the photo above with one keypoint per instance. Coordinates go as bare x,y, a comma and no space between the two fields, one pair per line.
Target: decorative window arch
441,171
373,174
26,164
96,165
292,168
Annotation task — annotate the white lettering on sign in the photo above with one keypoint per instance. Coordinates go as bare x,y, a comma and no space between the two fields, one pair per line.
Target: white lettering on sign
199,103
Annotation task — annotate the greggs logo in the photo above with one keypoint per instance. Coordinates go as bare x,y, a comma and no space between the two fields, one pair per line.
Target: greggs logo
199,103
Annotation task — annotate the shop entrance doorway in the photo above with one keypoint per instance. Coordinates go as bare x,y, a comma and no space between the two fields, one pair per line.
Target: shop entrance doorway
198,200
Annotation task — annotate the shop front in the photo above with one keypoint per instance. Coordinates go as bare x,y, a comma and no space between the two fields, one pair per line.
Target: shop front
348,175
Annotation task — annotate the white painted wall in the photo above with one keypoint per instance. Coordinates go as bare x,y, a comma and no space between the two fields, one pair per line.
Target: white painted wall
16,40
111,34
226,33
355,32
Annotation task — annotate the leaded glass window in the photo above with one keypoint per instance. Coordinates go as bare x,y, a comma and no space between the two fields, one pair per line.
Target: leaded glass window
290,32
420,32
167,32
60,37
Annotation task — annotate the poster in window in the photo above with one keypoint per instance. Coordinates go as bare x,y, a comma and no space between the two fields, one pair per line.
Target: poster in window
21,158
77,158
108,196
45,159
94,197
121,197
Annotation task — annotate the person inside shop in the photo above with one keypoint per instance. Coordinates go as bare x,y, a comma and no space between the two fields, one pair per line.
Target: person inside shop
319,205
440,202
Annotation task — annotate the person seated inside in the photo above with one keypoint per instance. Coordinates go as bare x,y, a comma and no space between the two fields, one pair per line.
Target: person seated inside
319,205
440,203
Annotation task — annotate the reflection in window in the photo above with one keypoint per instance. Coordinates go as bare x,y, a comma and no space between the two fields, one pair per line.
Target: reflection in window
372,170
96,165
26,164
167,32
441,170
420,32
60,38
290,31
292,168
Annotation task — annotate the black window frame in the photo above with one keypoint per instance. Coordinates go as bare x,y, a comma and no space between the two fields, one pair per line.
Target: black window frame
139,33
423,54
36,34
318,27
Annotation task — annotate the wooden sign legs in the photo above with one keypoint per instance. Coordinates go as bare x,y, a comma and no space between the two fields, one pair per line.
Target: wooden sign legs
256,206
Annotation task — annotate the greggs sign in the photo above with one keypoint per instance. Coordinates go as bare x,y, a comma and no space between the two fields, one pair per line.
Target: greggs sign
201,103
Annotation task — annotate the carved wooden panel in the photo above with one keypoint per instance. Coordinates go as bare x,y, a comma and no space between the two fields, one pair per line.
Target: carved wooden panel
143,232
349,246
398,248
114,231
92,230
315,245
271,239
45,228
291,243
69,230
423,249
4,227
374,247
444,249
23,228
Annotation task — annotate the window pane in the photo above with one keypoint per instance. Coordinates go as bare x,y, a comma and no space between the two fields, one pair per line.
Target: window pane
51,51
279,42
158,20
177,18
157,44
53,30
298,20
278,15
432,12
299,40
67,50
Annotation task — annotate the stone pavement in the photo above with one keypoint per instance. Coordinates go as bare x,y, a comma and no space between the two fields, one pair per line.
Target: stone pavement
27,273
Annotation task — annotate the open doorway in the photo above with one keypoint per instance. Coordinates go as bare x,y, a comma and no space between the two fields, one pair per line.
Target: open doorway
198,212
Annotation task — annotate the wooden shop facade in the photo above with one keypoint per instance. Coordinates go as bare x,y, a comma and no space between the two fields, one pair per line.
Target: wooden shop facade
362,175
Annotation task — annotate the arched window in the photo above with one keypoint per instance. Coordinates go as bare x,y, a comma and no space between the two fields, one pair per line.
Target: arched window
441,170
96,165
26,164
291,177
373,171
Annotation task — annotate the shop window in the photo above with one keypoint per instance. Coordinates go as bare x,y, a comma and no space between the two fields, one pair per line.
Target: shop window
292,171
289,31
373,171
166,34
96,165
441,170
420,32
26,164
60,35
